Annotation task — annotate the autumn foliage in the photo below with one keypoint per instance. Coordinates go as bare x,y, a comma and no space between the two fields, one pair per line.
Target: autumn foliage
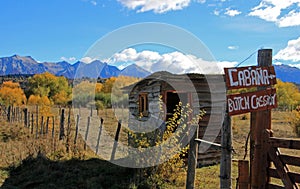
49,88
12,94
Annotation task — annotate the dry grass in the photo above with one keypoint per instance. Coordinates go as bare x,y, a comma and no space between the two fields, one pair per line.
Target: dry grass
17,143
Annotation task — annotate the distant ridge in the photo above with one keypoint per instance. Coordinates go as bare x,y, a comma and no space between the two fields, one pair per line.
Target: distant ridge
287,73
20,65
16,64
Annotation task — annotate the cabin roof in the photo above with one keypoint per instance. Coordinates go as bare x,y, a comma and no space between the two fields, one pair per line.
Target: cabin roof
179,79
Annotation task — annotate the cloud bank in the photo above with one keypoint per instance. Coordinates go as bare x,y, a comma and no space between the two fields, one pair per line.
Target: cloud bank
157,6
174,62
284,13
291,52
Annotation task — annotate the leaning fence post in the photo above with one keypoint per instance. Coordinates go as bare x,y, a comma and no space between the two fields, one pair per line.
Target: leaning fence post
37,116
76,131
99,135
62,122
116,141
68,131
32,123
8,114
42,126
192,159
226,153
25,117
87,132
53,124
47,125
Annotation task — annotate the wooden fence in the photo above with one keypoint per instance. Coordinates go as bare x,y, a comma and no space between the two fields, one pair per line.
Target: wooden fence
65,127
279,163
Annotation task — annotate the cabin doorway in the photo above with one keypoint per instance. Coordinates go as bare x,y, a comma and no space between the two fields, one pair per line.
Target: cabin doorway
172,100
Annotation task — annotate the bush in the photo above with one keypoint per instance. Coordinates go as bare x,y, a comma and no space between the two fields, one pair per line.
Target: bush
295,120
167,172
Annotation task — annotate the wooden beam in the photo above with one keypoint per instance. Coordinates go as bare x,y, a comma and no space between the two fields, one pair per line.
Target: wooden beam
226,155
285,143
290,160
260,121
243,179
281,169
192,160
273,186
294,176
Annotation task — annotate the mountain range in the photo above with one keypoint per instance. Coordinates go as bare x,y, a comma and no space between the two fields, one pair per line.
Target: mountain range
27,65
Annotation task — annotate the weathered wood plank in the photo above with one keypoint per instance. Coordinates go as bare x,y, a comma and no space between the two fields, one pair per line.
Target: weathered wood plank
284,143
281,169
290,160
294,176
273,186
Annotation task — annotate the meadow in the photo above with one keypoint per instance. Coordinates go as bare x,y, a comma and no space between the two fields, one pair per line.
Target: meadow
28,161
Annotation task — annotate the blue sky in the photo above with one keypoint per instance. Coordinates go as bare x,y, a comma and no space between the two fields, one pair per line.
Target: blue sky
55,30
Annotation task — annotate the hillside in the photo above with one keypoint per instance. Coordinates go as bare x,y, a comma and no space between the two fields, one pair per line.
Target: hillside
287,73
27,65
16,64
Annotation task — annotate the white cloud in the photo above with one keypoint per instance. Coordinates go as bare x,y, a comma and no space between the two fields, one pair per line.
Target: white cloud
292,19
232,12
94,3
70,59
87,59
232,47
291,52
273,11
295,65
158,6
216,12
174,62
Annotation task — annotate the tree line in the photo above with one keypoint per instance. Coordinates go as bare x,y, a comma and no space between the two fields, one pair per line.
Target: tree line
47,89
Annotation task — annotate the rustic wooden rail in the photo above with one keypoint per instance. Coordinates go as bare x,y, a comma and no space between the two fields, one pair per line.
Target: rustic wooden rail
281,163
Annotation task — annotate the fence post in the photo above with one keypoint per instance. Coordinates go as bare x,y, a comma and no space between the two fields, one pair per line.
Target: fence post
68,131
42,126
32,123
243,177
260,121
99,135
192,159
8,114
53,124
37,116
25,117
113,153
87,132
47,125
76,130
62,123
226,143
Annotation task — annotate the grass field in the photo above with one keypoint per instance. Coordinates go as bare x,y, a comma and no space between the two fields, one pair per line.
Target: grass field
27,162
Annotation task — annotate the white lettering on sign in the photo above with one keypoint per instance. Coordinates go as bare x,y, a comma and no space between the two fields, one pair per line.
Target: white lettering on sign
254,101
250,76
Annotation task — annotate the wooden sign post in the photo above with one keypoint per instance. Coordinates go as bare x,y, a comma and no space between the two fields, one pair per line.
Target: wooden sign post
260,121
259,103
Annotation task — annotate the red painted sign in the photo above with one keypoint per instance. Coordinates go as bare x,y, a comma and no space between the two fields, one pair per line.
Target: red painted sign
252,101
252,76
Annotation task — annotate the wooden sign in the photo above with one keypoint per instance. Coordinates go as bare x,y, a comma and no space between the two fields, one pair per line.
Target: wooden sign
252,101
252,76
